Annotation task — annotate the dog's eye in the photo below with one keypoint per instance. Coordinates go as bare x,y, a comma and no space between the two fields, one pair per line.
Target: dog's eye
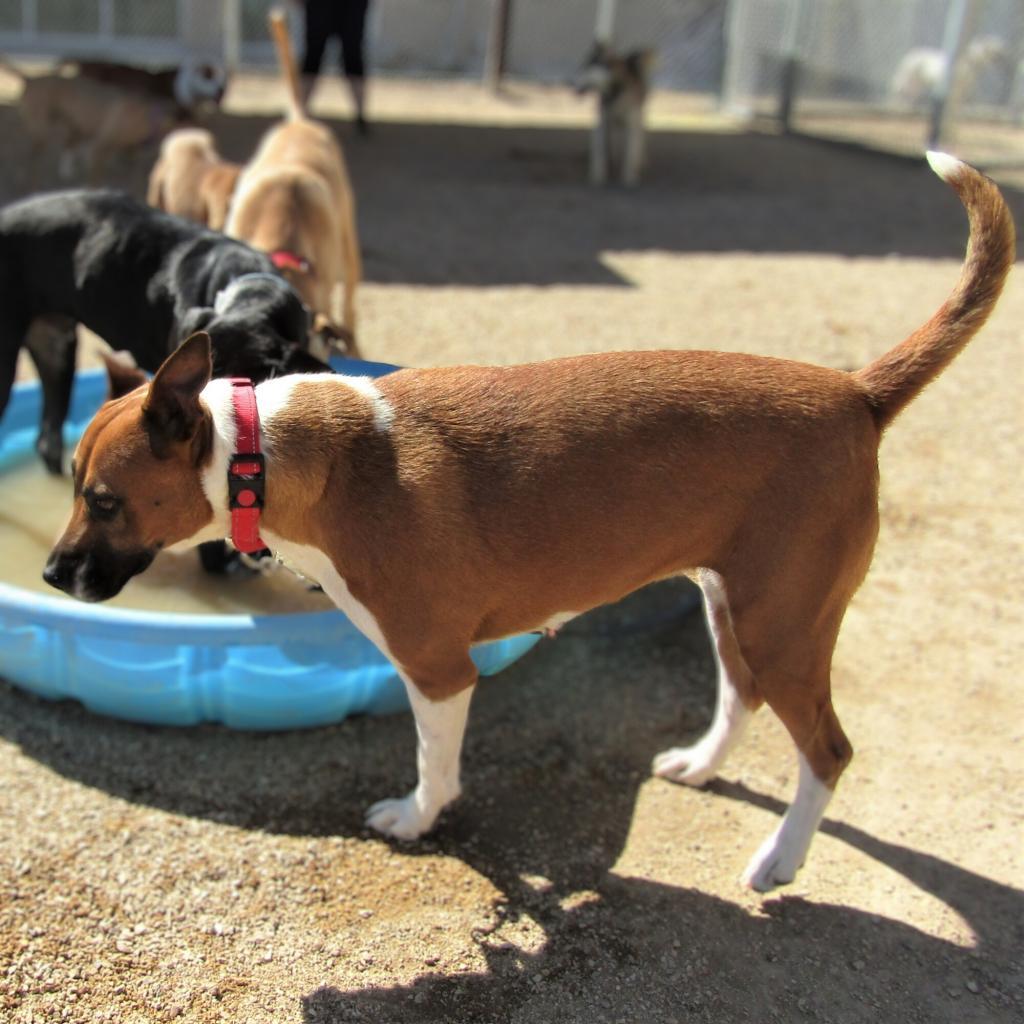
103,506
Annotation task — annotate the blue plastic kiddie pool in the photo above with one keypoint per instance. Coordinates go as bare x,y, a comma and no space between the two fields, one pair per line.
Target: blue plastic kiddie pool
248,672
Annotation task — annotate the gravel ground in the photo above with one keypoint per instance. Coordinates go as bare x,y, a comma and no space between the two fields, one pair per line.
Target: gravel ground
152,874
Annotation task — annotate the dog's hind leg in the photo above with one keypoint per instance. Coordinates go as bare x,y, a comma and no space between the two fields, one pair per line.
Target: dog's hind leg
823,753
787,633
52,342
737,697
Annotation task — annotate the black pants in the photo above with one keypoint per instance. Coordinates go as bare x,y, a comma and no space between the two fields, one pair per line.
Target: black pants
345,19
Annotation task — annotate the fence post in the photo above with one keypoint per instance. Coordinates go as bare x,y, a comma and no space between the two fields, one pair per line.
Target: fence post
232,34
959,22
497,44
791,43
604,26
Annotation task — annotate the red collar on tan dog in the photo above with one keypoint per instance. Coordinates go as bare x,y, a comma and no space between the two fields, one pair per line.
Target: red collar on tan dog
245,470
285,259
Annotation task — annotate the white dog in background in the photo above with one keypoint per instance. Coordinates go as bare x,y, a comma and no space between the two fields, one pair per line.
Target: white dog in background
921,71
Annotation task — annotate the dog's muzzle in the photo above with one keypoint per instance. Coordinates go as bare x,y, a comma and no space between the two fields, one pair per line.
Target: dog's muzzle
94,575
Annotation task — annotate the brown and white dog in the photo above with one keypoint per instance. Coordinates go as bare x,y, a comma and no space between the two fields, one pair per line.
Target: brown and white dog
294,200
191,180
442,507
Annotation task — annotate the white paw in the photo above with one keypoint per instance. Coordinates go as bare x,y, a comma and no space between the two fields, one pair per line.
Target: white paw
773,865
401,819
689,765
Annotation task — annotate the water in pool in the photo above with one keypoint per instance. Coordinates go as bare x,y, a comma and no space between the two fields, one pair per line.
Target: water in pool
33,514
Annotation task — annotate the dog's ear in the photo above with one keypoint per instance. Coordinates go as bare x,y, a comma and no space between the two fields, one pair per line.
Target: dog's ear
325,336
195,319
172,407
642,62
122,376
298,360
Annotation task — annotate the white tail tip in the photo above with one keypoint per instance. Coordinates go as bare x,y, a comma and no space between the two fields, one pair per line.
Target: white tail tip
945,166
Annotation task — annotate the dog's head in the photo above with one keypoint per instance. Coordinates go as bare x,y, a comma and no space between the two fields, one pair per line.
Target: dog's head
607,73
137,478
594,74
197,84
259,329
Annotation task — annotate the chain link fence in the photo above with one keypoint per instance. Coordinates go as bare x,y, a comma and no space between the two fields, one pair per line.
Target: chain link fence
122,28
546,41
896,74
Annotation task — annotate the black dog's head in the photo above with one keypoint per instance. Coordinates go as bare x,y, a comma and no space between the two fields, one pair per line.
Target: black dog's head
259,328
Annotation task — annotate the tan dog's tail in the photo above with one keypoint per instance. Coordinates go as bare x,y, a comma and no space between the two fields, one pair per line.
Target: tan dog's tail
286,59
892,381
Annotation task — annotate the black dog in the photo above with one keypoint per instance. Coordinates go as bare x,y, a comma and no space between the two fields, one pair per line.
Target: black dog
143,281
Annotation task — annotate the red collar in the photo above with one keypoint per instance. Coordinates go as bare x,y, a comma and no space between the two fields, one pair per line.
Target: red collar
285,259
245,470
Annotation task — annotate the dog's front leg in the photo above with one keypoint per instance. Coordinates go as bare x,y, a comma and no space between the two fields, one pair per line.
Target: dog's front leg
633,160
599,149
52,342
440,726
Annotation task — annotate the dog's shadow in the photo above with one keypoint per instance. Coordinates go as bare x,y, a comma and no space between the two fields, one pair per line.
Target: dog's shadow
557,749
646,951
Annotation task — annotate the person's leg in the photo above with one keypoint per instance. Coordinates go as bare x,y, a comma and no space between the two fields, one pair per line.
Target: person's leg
316,33
352,28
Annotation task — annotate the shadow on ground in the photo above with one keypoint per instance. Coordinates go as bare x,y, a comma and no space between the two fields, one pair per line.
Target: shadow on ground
557,748
642,951
483,206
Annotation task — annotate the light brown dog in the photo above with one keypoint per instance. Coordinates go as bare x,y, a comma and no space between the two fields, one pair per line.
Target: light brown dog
191,180
443,507
87,120
294,200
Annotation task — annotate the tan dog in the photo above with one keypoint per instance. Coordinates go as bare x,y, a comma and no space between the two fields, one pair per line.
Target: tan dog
294,200
191,180
88,120
443,507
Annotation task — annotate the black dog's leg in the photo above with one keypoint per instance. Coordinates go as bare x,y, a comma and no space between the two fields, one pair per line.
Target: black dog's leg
52,342
12,333
218,558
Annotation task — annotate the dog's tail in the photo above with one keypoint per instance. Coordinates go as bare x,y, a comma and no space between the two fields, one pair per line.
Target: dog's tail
286,59
892,381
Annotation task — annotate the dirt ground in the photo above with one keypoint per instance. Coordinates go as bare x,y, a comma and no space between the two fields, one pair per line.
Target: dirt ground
204,875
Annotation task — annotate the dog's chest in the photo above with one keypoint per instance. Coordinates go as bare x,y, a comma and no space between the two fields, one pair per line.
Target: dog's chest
315,564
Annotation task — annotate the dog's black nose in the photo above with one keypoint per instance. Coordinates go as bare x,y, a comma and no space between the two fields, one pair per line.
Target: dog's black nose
58,572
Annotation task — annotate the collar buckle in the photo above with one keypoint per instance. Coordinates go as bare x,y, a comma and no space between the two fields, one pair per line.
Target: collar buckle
246,480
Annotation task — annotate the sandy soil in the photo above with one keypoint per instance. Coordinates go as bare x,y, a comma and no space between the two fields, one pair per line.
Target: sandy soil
198,874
